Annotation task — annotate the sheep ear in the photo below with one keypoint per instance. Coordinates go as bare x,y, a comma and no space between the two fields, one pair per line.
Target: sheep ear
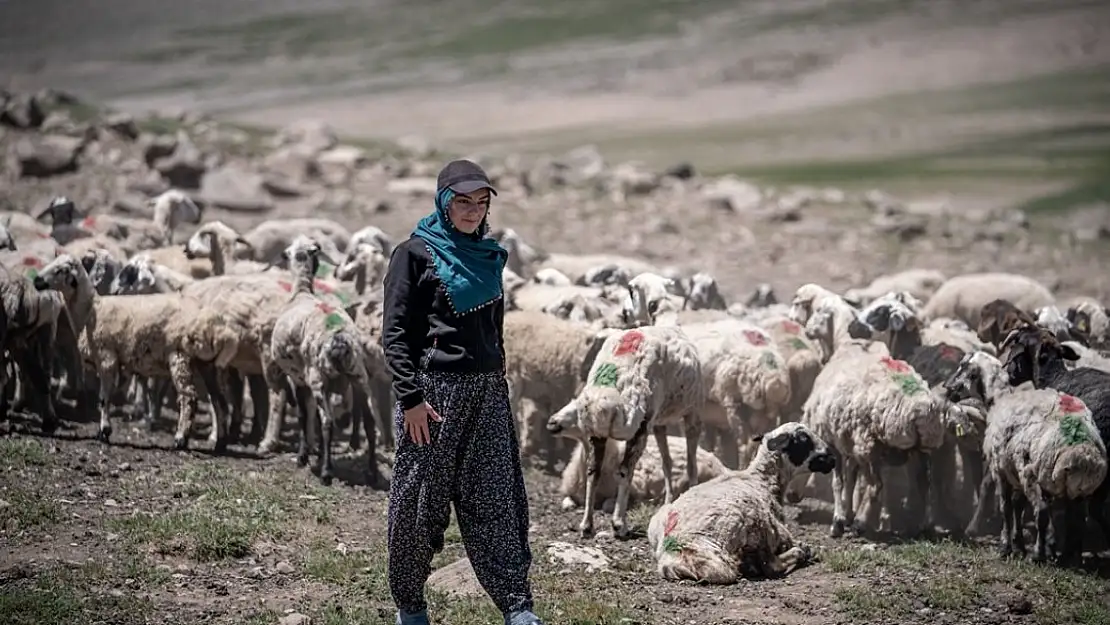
779,441
1068,353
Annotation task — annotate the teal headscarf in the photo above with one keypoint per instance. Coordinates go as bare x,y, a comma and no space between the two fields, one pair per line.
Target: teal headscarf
468,265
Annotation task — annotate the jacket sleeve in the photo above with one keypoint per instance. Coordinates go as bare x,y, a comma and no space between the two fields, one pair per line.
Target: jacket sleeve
403,327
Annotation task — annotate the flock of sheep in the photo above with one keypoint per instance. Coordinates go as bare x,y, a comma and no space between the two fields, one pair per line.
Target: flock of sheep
980,386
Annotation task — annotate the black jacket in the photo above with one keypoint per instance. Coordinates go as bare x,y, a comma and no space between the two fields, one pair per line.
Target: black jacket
420,331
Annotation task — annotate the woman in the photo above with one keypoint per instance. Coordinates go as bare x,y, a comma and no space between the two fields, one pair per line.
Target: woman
442,336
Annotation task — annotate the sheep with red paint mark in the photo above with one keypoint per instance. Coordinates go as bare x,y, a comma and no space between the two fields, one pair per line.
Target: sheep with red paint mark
1040,445
319,349
733,526
642,381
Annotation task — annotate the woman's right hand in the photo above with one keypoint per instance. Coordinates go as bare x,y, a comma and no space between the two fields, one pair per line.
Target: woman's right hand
416,422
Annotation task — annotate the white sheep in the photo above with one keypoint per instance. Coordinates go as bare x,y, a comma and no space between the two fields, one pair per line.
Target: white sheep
268,240
169,210
140,275
216,241
1087,357
945,330
642,381
1040,445
702,293
373,236
365,264
964,296
873,410
733,525
551,277
320,350
803,358
1089,319
920,283
600,267
647,479
546,361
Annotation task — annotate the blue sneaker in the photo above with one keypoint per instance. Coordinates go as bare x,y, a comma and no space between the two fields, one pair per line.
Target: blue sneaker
416,618
522,617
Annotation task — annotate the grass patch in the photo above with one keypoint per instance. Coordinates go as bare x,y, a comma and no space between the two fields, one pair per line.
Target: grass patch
951,577
225,514
64,597
22,509
22,453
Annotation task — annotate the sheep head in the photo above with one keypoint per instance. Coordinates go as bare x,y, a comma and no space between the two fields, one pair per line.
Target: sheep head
1027,351
173,207
7,241
565,421
799,446
366,257
102,269
703,293
977,377
61,211
208,235
762,297
647,293
135,277
304,254
374,236
801,306
62,274
998,318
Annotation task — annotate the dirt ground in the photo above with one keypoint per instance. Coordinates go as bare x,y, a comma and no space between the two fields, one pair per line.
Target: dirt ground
965,110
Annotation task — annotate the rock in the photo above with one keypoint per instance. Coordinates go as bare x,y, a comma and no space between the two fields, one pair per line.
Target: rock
731,193
416,146
629,179
47,156
123,125
295,618
310,134
285,568
456,579
185,168
234,188
907,227
337,165
157,147
413,187
294,162
682,171
22,111
593,558
581,165
882,203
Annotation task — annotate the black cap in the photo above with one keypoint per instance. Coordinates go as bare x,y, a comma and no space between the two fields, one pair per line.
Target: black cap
463,176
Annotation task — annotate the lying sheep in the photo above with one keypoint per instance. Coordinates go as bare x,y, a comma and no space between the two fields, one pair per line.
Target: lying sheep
920,283
873,410
647,479
642,380
1040,445
963,297
317,347
734,526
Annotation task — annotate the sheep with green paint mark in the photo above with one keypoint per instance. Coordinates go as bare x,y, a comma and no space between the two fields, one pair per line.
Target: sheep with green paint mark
318,348
875,411
641,382
1040,446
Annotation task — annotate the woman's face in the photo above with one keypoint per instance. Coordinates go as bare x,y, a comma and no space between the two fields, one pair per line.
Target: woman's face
468,211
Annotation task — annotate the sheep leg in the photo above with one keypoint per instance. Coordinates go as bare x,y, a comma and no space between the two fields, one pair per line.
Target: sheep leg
1096,509
303,397
369,423
260,404
159,392
1006,503
228,384
595,453
278,392
633,450
873,477
323,407
209,374
109,377
1074,523
986,497
381,395
234,398
182,376
1019,521
845,474
777,565
692,428
943,475
1041,515
739,432
665,460
923,510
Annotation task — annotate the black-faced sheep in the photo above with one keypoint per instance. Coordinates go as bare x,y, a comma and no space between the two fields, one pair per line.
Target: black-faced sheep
733,525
